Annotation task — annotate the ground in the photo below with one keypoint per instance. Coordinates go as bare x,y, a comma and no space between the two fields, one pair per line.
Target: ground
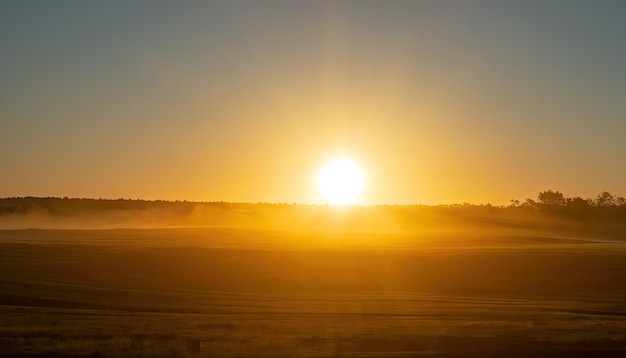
235,292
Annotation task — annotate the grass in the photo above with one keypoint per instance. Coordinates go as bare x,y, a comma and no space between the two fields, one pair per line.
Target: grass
239,293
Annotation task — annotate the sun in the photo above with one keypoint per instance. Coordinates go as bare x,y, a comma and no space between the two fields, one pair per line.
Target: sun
341,182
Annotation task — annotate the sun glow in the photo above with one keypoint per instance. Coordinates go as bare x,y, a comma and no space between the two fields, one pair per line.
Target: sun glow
341,182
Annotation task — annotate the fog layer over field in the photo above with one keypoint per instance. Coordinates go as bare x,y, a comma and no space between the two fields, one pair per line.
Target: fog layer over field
284,280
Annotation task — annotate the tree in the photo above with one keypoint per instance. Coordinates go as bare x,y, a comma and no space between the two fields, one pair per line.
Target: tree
551,198
605,199
577,202
530,202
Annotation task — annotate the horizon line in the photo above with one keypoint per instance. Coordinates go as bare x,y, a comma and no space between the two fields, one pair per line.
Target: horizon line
513,202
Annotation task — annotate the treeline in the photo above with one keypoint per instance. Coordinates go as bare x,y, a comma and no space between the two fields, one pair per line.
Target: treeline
550,210
556,198
549,200
69,206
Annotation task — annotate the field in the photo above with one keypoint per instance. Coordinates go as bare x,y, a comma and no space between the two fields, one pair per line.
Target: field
234,291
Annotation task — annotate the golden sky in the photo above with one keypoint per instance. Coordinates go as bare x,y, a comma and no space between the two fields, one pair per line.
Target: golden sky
438,102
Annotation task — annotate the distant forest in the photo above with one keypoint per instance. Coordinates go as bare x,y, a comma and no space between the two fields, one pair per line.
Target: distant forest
547,200
550,202
69,206
556,198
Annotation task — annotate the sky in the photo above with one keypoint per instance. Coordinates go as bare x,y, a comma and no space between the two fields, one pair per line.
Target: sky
438,102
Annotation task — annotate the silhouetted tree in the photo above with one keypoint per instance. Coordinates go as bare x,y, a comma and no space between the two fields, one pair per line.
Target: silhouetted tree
577,203
515,203
551,198
621,201
530,202
605,199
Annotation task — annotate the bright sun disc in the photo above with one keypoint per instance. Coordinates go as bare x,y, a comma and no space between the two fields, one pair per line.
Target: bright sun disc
341,182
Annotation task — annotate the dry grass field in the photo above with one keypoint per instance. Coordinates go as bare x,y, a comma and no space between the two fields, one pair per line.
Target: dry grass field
238,292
